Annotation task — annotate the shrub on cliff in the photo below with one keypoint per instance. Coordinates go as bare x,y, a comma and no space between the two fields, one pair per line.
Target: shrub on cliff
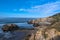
56,17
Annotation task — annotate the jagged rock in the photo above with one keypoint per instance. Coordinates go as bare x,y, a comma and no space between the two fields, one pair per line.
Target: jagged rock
27,37
51,30
36,25
31,22
9,27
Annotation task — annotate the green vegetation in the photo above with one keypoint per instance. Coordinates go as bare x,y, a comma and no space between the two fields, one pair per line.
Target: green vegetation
56,25
56,22
56,17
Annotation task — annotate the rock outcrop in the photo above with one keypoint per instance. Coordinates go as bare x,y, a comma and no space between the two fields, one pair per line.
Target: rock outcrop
46,28
10,27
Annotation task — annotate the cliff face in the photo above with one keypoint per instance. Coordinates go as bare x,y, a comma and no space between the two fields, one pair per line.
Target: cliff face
47,28
46,34
42,34
51,33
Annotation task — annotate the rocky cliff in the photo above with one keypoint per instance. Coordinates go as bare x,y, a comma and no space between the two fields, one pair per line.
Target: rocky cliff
46,28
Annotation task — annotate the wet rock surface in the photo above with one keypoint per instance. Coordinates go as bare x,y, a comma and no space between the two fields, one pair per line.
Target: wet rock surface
17,35
9,27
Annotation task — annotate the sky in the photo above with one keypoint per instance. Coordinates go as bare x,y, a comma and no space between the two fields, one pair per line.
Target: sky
29,8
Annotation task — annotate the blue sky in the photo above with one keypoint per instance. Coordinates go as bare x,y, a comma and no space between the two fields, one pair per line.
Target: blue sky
29,8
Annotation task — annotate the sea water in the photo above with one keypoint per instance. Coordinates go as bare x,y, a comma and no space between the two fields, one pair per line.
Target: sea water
14,35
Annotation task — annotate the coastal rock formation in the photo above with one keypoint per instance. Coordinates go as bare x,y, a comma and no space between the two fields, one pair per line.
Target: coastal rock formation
48,34
46,28
31,22
42,21
56,38
9,27
36,25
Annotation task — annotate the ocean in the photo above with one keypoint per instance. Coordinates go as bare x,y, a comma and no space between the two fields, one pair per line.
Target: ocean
15,35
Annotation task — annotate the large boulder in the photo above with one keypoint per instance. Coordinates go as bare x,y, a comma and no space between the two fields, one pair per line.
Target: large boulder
10,27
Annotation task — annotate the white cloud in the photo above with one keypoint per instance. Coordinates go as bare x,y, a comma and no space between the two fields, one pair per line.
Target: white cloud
21,9
49,8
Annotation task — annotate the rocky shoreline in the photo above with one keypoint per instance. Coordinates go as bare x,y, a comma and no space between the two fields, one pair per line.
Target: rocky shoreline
44,29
